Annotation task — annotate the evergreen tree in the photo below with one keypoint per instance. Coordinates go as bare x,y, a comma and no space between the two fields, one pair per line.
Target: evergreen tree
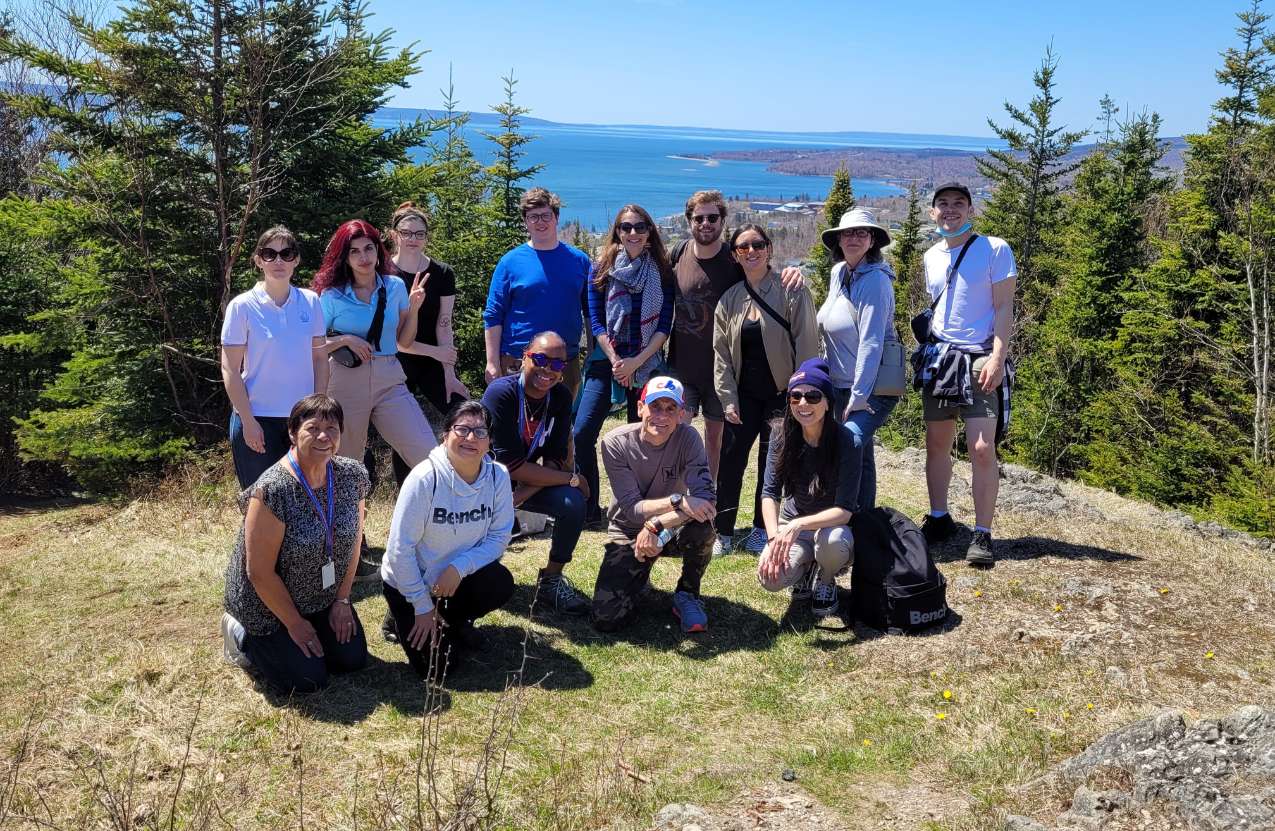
908,249
184,130
1026,204
839,200
506,174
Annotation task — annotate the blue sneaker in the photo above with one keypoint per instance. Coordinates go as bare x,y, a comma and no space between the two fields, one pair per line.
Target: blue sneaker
689,609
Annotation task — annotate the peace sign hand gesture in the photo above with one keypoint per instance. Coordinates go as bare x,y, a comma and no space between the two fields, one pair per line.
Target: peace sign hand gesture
417,295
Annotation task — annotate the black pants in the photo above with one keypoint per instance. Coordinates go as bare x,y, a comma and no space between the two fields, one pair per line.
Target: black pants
623,576
482,592
754,424
284,667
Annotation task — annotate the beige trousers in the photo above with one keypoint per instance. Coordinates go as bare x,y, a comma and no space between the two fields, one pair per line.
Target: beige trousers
832,548
376,392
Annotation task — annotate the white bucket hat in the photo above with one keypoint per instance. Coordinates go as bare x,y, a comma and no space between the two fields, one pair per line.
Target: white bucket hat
854,218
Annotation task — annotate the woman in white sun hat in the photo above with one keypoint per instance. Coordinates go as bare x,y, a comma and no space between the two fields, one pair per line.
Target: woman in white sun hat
856,323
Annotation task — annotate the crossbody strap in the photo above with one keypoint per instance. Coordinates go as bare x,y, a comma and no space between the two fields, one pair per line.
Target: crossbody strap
951,274
778,318
378,320
854,310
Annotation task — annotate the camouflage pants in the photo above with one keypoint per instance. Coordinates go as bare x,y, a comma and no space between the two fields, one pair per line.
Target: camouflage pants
623,576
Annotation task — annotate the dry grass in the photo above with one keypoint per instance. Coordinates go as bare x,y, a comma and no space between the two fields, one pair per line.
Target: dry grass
112,694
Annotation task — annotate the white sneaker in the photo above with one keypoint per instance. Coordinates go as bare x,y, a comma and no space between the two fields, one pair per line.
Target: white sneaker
232,642
755,541
721,546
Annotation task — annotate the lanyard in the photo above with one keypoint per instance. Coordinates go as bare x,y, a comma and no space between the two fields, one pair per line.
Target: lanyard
534,442
328,520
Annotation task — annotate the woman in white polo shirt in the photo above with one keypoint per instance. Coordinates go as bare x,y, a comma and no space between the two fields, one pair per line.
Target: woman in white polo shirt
272,356
370,316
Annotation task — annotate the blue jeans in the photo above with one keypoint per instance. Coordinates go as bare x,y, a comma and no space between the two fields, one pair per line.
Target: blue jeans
863,424
249,464
566,505
595,404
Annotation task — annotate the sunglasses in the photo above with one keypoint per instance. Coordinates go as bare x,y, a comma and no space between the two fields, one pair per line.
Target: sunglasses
464,431
856,233
268,255
542,360
630,227
412,234
701,219
811,396
756,245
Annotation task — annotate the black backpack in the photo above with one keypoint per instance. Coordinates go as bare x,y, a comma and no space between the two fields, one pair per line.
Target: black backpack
894,584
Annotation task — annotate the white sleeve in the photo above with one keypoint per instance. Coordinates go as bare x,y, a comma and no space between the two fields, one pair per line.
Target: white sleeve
400,566
234,329
1002,265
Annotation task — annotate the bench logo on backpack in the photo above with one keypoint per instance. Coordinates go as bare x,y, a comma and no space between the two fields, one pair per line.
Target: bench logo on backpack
894,584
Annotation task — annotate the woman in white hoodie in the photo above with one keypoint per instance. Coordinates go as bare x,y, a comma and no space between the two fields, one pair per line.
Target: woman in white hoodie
451,524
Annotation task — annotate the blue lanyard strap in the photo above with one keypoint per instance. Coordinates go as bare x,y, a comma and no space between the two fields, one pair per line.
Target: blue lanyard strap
329,519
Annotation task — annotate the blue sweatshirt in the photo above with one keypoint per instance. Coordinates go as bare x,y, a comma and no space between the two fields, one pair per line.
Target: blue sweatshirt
535,291
855,324
441,520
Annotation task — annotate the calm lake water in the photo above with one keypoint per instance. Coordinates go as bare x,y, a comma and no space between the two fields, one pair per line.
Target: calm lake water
598,168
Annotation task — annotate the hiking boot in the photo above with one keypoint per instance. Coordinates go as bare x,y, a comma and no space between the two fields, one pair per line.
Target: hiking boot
232,642
368,568
980,551
721,546
804,587
389,629
937,529
564,598
689,609
823,601
465,634
755,541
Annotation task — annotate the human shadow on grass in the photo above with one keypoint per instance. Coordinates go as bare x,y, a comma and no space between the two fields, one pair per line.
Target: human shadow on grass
1027,548
732,627
351,697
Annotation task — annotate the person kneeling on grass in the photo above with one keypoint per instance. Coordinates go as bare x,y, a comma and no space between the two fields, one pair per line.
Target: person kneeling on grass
662,505
452,523
814,466
288,584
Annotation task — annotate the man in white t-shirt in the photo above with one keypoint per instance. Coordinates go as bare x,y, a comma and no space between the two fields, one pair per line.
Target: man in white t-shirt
972,322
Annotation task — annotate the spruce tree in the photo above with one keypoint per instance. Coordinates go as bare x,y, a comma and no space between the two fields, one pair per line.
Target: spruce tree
906,252
507,174
1027,179
839,200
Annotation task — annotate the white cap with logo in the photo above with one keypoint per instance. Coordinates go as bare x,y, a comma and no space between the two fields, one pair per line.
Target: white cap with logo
662,386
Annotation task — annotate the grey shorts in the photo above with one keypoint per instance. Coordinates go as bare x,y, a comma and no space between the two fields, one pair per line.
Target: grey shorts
986,404
695,396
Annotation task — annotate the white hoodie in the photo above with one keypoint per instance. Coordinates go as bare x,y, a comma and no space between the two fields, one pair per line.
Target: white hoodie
441,520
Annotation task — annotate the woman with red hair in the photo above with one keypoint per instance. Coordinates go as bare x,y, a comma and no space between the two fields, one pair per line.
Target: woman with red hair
370,316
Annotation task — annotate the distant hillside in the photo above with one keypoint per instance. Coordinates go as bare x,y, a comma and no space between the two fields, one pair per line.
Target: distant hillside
928,165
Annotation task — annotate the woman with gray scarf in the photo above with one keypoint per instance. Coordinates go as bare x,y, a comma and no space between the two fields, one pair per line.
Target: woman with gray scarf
631,314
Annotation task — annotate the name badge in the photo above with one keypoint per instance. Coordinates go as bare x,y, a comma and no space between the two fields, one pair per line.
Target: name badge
329,574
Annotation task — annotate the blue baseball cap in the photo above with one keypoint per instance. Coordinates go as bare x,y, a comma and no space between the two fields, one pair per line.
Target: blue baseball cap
662,386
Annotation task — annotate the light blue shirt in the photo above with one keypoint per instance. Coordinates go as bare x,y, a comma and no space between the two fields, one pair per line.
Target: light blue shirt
346,314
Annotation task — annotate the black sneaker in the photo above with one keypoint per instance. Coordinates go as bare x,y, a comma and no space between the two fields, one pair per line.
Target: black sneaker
368,568
980,551
389,629
466,634
556,591
937,529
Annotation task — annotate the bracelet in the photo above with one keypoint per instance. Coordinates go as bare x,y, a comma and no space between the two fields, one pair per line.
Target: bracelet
344,600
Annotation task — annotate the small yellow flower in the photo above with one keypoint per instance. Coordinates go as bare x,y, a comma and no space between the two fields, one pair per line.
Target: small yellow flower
1057,607
1164,590
1209,655
978,592
940,716
934,673
947,694
1089,706
1066,715
867,742
1031,711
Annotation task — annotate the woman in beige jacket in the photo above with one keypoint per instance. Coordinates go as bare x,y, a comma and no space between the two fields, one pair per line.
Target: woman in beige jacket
761,333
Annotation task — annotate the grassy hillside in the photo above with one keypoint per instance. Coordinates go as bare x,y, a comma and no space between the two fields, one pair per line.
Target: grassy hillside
117,712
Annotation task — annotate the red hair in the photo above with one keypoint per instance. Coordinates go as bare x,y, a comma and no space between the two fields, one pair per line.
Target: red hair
335,268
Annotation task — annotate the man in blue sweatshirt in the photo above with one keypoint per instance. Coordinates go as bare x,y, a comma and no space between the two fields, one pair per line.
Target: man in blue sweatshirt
537,287
531,436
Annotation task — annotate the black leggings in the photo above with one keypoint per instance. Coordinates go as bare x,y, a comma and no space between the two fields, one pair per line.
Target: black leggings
754,423
482,592
280,661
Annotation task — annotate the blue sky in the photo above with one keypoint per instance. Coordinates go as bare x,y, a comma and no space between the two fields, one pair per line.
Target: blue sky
893,66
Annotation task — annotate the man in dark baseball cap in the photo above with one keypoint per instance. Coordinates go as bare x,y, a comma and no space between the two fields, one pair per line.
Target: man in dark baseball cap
956,186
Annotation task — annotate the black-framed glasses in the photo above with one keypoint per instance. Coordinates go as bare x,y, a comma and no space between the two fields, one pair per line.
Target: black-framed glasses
464,431
756,245
630,227
857,233
542,360
811,396
420,235
542,216
268,255
701,219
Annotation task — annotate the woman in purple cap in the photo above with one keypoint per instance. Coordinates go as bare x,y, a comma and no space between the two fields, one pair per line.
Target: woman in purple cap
810,491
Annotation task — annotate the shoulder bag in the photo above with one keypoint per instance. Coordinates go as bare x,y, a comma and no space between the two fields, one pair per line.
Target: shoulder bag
345,355
892,378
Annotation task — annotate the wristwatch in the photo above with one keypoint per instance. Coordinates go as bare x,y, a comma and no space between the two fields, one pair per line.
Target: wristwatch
675,499
574,481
